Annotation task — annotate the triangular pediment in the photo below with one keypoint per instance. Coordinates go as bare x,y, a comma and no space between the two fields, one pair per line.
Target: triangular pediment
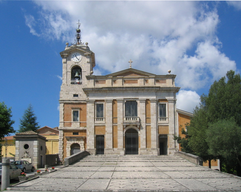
131,73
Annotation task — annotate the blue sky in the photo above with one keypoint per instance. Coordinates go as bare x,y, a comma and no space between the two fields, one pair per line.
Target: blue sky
198,41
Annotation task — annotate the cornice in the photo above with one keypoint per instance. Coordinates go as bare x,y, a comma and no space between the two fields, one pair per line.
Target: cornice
143,88
184,113
69,101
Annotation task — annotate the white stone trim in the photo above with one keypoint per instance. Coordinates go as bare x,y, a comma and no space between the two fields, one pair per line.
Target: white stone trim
104,112
167,109
72,140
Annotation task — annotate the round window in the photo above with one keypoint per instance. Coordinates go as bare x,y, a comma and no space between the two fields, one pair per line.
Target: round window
26,146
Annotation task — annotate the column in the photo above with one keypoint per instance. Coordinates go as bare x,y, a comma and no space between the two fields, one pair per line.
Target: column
171,115
108,128
154,135
90,129
142,115
120,119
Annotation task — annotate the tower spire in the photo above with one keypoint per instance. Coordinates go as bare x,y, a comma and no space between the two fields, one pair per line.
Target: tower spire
78,33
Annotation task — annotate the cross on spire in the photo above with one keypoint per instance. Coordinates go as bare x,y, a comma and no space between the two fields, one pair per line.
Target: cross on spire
130,63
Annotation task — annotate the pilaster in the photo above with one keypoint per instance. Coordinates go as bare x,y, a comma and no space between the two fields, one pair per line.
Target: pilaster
120,119
17,145
61,115
154,135
142,115
172,131
90,126
61,147
108,133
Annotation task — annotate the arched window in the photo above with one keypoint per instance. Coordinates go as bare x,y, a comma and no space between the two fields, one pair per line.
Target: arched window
76,75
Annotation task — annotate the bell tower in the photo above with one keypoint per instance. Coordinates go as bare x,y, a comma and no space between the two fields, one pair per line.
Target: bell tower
78,62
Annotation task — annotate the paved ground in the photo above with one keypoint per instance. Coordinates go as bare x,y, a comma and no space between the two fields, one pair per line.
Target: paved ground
133,173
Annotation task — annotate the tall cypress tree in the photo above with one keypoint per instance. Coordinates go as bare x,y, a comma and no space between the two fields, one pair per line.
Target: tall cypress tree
28,121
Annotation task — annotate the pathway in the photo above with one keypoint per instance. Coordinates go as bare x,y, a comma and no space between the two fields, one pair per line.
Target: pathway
133,173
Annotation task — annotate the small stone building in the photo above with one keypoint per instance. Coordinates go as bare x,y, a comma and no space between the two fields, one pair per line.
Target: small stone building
31,146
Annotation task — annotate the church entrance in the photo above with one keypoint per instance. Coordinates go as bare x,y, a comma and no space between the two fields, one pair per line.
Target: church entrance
163,144
75,148
100,144
131,142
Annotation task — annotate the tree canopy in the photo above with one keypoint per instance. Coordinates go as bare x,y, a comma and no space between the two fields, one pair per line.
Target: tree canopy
28,121
224,141
214,130
5,120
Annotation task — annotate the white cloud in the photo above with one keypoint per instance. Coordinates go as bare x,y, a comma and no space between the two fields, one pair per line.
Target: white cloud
157,36
59,77
187,100
30,22
236,4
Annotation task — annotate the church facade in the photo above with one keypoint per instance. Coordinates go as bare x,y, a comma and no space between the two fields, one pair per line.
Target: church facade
126,112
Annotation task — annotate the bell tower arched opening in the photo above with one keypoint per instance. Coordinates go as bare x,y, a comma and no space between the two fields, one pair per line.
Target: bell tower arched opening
76,75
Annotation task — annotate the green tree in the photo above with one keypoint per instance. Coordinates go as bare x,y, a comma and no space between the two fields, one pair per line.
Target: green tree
224,141
184,141
28,121
223,100
5,120
197,131
222,103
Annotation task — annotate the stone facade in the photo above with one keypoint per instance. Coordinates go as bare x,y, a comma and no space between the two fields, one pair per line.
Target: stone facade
126,112
30,146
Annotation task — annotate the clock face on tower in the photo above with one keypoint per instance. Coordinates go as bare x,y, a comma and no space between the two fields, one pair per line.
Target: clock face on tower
76,57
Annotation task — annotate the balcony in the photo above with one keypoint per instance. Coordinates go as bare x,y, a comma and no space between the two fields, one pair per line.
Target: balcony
162,118
132,120
99,120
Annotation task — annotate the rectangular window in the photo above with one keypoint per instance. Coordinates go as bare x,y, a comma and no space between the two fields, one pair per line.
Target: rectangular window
75,115
130,109
99,112
75,133
162,112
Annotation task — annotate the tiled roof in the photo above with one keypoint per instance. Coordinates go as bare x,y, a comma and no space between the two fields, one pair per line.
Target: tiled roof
27,133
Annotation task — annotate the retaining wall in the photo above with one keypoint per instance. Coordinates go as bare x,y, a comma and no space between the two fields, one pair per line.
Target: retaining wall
190,157
75,157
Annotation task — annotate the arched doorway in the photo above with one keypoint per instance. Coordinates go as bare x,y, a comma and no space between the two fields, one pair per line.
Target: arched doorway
131,142
75,148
